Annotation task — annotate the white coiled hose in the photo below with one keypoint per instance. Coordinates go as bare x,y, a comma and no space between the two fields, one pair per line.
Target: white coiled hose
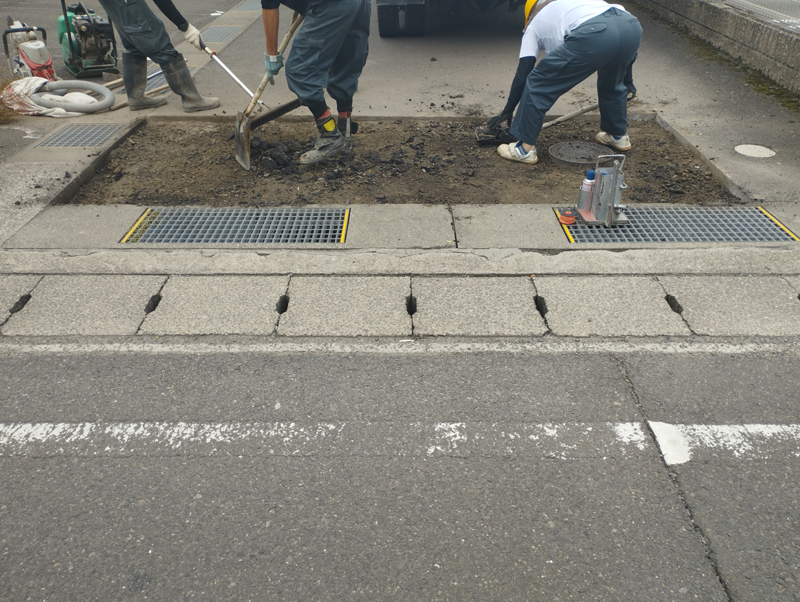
74,107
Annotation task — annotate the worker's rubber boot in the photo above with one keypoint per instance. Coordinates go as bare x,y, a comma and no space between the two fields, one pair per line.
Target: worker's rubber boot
330,142
181,82
134,77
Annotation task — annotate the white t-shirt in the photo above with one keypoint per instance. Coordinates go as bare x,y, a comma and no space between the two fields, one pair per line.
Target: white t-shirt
547,30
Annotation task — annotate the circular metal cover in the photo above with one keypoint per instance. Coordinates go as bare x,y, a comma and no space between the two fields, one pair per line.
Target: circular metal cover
579,153
754,150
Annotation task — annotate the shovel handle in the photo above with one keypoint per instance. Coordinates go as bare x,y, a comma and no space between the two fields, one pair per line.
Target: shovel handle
296,20
571,115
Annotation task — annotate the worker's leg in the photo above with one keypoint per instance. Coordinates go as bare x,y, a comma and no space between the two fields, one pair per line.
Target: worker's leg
612,91
349,62
582,53
315,48
141,31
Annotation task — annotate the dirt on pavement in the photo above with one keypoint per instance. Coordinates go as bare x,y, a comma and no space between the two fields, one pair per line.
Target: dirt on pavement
435,161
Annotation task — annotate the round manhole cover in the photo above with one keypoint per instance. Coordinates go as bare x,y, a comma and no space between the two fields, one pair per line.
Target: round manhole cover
754,150
580,153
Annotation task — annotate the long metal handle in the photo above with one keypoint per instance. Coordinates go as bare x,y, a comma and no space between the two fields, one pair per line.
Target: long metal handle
229,72
296,20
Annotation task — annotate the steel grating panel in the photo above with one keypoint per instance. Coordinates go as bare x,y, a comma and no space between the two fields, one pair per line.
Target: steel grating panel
686,224
249,5
221,33
82,135
236,225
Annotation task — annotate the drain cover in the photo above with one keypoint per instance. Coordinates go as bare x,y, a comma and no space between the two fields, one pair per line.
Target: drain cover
754,150
686,224
249,5
221,33
82,135
234,225
577,152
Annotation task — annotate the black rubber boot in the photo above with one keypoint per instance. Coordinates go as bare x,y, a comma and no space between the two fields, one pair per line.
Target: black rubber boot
134,76
330,142
181,82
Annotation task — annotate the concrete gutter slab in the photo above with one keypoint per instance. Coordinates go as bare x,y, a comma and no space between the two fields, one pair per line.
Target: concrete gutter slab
347,306
76,227
794,281
201,305
85,305
476,307
400,227
11,289
25,189
736,306
608,306
508,226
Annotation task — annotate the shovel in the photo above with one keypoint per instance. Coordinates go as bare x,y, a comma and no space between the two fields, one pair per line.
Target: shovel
243,123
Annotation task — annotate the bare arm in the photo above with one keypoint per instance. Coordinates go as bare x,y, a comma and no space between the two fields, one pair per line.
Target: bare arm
271,19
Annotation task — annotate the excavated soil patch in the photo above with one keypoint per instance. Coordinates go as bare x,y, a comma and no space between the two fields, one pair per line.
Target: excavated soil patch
394,161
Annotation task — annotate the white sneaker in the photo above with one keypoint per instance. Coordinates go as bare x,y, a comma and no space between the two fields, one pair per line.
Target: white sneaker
515,152
620,143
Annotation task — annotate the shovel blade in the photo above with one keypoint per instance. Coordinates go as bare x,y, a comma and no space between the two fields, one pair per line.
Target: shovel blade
242,137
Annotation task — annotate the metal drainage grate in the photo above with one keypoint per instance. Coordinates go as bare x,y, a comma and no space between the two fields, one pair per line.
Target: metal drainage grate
234,225
686,224
220,33
581,153
82,135
249,5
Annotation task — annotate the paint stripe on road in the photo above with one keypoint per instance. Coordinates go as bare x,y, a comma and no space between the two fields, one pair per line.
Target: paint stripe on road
439,439
680,443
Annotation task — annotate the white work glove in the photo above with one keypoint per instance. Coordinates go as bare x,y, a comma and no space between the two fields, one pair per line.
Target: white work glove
192,35
273,64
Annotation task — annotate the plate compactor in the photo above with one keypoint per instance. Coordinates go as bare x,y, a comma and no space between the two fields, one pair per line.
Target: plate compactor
27,55
87,41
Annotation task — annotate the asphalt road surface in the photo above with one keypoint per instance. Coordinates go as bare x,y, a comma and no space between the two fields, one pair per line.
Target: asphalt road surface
399,471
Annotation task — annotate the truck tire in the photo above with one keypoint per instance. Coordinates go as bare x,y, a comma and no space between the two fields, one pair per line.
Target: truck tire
388,21
415,20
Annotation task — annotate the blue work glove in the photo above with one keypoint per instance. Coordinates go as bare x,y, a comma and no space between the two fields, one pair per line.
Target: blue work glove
273,65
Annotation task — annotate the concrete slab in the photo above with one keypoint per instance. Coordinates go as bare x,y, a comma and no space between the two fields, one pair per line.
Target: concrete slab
787,213
610,306
400,227
348,306
794,282
476,307
26,188
85,305
76,227
198,305
11,289
736,306
508,226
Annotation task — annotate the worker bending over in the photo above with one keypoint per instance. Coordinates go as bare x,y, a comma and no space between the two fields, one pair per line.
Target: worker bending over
579,37
143,35
329,50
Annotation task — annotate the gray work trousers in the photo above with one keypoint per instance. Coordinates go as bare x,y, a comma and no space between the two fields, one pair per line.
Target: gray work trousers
329,50
141,31
606,44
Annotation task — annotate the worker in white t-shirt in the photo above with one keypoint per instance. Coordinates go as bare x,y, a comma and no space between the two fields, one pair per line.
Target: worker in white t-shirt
579,38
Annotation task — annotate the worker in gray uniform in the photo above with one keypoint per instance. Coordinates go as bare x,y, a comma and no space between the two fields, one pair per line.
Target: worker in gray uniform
328,51
143,35
579,37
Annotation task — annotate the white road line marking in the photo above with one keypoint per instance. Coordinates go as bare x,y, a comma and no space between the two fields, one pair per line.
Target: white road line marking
438,439
680,443
403,347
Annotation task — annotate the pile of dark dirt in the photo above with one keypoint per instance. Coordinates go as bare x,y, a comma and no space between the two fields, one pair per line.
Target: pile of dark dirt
394,161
